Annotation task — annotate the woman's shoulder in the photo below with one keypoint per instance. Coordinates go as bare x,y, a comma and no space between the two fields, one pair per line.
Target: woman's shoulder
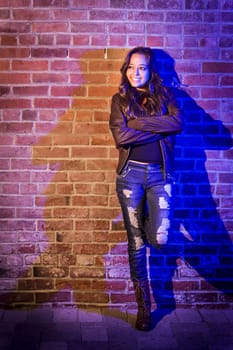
117,97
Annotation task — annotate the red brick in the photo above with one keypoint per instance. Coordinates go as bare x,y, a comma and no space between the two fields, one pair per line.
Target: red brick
14,52
99,40
185,285
31,90
217,67
31,14
201,80
7,213
51,103
35,284
48,52
52,225
16,78
63,39
10,188
216,92
15,103
86,272
80,40
4,65
198,5
202,297
88,200
227,81
92,225
112,15
20,164
202,54
28,189
30,65
16,128
17,297
71,140
45,40
53,297
17,225
45,271
68,259
51,3
94,298
74,236
88,27
4,14
4,90
27,39
96,90
91,128
65,65
118,40
122,298
155,41
92,249
49,78
50,27
92,152
9,40
15,27
22,176
64,91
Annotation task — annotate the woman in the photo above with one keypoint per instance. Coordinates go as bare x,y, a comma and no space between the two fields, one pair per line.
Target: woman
144,119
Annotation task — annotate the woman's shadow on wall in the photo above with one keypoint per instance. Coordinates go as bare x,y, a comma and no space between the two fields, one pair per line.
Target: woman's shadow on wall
196,266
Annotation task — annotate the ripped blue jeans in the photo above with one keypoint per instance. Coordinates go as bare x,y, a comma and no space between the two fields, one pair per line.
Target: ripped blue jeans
145,200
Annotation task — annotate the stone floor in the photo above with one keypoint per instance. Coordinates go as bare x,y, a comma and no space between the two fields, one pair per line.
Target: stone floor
93,329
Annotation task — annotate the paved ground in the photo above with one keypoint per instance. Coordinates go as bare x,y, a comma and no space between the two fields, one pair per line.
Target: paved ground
95,329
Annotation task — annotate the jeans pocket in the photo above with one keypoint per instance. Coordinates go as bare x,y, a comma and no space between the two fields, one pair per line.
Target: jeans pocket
125,171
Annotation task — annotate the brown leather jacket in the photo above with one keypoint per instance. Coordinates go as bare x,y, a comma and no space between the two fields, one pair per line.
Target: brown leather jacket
143,129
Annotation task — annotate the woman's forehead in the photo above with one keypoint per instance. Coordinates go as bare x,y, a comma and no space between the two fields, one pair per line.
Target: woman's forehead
138,58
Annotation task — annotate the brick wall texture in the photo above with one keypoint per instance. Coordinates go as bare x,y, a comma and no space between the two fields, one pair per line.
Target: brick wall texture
61,231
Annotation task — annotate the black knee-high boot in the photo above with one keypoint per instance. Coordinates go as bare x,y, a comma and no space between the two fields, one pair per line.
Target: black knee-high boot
142,294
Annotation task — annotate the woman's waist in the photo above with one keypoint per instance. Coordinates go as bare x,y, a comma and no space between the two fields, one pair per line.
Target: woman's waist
144,164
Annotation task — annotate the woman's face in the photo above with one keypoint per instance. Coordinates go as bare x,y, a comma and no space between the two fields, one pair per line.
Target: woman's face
138,72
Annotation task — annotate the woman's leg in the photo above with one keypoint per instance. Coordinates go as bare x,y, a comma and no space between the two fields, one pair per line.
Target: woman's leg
159,201
131,196
159,222
131,201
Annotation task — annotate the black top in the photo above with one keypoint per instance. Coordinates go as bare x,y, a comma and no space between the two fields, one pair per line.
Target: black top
147,153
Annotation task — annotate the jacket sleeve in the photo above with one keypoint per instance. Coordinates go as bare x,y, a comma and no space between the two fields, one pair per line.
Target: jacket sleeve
124,135
169,123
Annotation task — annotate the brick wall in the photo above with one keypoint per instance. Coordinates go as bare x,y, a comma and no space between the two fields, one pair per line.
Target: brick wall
62,235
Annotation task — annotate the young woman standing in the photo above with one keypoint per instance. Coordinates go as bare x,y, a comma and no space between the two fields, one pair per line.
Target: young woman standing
144,120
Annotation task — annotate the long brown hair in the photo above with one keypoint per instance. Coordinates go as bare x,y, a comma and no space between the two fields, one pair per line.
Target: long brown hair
135,102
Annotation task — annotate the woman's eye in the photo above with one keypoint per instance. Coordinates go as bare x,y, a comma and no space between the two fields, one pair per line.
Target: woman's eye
137,68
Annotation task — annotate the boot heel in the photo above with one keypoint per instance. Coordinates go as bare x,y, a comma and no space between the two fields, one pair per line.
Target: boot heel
142,294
